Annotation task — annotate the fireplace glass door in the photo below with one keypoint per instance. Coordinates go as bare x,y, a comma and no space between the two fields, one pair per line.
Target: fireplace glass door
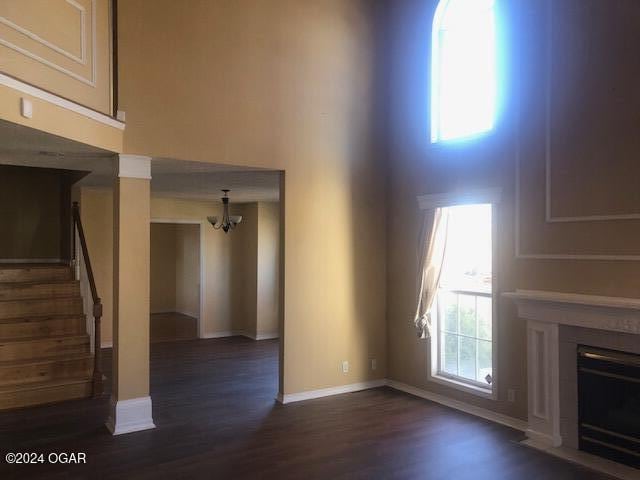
609,404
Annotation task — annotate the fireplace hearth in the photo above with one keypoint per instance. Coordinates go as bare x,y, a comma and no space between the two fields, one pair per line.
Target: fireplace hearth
609,404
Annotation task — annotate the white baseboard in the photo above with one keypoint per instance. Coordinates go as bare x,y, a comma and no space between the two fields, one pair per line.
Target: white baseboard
539,438
267,336
129,416
222,334
164,312
106,345
260,336
585,459
240,333
434,397
515,423
327,392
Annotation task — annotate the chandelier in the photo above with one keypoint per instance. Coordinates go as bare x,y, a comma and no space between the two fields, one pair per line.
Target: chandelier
228,222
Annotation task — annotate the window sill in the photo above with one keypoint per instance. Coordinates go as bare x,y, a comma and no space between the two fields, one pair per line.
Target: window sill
465,387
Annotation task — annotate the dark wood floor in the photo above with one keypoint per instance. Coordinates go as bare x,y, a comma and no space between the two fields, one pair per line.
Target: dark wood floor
168,327
213,403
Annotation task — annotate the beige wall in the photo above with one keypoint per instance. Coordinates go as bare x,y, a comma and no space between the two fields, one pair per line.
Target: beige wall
188,269
164,260
241,292
175,268
268,262
35,213
131,259
60,121
287,85
96,211
216,314
244,275
61,53
591,111
31,207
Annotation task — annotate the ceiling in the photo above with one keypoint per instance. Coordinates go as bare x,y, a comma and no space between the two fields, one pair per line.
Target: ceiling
21,145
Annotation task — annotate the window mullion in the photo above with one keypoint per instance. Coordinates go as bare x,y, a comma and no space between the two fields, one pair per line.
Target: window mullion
458,336
439,332
477,336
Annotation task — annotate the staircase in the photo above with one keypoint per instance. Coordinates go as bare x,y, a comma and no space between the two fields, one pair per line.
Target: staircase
44,347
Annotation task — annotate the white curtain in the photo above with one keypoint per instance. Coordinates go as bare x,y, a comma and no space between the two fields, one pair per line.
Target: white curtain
432,249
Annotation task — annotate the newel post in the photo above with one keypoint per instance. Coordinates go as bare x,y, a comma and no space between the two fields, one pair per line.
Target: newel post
97,357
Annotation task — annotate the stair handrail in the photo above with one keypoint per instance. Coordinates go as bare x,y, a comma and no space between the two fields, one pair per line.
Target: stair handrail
97,387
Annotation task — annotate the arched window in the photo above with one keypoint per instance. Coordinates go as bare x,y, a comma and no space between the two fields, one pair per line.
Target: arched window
463,69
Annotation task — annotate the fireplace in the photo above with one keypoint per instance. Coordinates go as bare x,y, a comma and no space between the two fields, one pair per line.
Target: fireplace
609,404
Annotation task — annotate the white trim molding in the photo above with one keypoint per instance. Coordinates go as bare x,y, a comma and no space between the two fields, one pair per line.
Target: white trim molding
267,336
505,420
490,415
588,460
493,197
240,333
543,374
555,256
328,392
260,336
617,314
463,197
222,334
36,92
132,166
129,416
549,217
83,60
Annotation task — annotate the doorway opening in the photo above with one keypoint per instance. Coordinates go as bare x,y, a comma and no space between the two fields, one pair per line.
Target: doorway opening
176,280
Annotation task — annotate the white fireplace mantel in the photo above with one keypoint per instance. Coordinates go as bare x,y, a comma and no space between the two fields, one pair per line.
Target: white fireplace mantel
545,312
615,314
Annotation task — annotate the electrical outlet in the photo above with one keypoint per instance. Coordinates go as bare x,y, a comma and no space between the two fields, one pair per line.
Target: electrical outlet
26,108
345,366
374,364
511,395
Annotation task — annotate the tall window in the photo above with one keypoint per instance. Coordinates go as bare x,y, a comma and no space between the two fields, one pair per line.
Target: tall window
464,306
463,69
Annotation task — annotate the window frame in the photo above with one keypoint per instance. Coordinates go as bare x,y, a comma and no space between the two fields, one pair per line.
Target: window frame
437,369
480,196
435,107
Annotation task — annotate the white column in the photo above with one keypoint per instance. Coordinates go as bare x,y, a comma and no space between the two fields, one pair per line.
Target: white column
130,401
543,382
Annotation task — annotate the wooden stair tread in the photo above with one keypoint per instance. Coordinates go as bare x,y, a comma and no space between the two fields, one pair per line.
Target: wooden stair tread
34,273
55,281
42,337
70,305
42,385
45,352
47,359
32,266
43,318
42,299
